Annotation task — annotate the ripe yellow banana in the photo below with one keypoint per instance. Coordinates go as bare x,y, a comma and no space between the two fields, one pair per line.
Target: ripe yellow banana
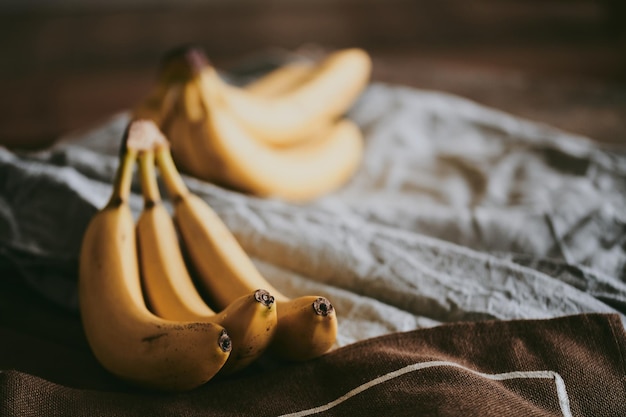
307,326
124,336
249,319
208,143
281,80
326,93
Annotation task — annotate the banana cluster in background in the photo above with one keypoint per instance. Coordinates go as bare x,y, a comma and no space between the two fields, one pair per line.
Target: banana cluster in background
284,135
143,315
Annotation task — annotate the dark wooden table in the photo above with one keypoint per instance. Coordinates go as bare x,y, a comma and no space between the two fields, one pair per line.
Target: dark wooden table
561,62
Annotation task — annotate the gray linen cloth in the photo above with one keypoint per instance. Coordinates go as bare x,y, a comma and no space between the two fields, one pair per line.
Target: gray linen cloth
458,212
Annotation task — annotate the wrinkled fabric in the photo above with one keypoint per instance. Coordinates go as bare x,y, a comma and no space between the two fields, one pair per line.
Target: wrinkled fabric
458,212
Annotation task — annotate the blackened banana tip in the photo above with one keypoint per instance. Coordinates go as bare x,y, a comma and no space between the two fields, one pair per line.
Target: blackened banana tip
323,307
264,297
224,341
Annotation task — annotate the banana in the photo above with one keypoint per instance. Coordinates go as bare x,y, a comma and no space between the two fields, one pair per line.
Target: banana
307,326
326,94
250,319
125,337
281,80
208,143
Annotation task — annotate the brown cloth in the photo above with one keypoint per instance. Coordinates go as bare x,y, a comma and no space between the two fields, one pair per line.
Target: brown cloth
568,366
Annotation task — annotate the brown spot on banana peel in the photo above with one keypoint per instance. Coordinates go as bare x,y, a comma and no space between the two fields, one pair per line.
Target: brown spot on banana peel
223,341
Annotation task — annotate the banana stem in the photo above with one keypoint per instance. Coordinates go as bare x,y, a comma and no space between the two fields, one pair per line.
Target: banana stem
147,175
173,181
140,138
123,178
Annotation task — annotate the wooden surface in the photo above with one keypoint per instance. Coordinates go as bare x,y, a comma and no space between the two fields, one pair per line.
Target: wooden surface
561,62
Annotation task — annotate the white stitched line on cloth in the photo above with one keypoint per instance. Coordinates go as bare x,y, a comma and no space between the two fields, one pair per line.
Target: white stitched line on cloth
558,380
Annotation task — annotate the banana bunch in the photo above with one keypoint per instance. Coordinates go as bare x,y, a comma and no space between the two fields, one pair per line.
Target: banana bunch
144,318
306,326
124,335
284,135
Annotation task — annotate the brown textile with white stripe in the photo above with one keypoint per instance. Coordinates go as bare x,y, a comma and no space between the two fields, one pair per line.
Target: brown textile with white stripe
569,366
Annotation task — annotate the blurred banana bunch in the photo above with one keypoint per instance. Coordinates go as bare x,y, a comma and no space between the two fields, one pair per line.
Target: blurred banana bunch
284,135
